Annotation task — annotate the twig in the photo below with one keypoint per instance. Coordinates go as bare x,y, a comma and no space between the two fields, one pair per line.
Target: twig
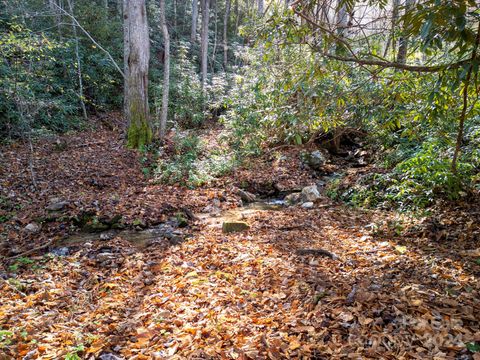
14,288
66,13
32,250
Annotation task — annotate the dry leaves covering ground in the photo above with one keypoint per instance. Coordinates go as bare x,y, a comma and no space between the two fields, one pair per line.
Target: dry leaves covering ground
389,295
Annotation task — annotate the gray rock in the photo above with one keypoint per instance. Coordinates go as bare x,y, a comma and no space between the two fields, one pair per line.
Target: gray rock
32,228
307,205
315,159
109,356
61,251
310,194
246,196
57,205
293,198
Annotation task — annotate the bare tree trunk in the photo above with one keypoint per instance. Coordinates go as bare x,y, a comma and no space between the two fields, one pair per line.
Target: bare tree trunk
342,25
166,72
225,34
260,8
79,63
193,34
403,41
204,41
175,14
237,16
126,52
463,114
139,130
214,51
391,38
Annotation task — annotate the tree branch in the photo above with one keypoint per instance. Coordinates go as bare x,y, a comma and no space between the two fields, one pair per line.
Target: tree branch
75,21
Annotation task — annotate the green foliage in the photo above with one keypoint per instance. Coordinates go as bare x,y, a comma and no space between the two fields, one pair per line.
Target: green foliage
190,165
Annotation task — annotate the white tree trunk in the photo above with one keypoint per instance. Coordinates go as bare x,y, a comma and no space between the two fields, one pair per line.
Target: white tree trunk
260,7
225,34
204,41
166,72
126,51
79,63
139,130
193,34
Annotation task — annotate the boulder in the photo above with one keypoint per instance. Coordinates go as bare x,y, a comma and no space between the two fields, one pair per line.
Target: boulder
310,194
234,226
315,159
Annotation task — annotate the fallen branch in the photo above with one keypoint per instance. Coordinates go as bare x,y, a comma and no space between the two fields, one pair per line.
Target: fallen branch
317,252
14,288
28,252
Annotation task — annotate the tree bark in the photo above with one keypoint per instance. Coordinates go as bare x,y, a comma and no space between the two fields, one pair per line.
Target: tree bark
79,63
166,72
214,50
225,34
193,34
463,114
260,7
204,41
126,52
403,41
139,130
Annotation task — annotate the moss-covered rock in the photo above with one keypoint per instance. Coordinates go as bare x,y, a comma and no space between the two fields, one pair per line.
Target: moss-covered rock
234,226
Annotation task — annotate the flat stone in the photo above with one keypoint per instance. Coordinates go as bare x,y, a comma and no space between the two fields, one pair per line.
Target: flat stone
57,206
234,226
307,205
32,228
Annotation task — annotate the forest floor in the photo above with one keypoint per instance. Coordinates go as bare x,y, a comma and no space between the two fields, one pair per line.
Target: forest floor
392,286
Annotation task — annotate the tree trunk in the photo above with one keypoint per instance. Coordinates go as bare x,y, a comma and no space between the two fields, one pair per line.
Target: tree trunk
166,72
214,50
193,34
139,130
403,41
463,114
204,41
126,52
225,34
261,6
391,38
342,25
79,63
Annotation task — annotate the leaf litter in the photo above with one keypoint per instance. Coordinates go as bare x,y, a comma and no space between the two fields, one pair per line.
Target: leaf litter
247,295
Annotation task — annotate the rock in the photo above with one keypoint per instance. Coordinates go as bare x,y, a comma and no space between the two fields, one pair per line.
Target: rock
292,199
109,356
246,196
307,205
234,226
310,194
61,251
32,228
107,235
315,159
57,205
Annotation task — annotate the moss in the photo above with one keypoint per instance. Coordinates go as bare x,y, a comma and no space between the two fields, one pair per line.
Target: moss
234,226
139,131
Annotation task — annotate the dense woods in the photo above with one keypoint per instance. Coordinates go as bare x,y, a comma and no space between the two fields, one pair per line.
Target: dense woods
239,179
